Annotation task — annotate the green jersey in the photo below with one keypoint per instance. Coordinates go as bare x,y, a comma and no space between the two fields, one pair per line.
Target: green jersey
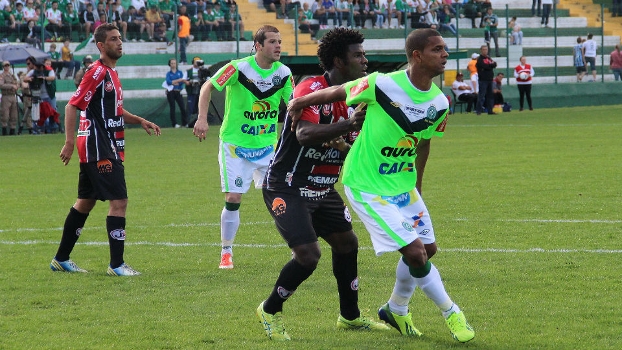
252,101
382,159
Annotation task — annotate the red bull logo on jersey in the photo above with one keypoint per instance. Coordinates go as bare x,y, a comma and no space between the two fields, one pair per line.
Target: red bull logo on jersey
261,110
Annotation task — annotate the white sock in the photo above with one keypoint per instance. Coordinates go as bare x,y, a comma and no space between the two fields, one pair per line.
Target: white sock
403,290
229,223
433,287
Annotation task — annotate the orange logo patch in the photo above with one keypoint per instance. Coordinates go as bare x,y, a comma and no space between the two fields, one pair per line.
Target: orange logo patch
104,166
278,206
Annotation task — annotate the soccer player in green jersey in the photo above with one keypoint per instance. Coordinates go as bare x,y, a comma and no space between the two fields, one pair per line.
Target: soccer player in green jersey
256,85
383,172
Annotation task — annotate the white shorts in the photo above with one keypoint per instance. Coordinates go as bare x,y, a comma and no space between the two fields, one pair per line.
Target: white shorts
239,165
393,222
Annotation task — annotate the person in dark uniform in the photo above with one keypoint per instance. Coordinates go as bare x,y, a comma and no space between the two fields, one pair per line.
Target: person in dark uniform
101,145
299,188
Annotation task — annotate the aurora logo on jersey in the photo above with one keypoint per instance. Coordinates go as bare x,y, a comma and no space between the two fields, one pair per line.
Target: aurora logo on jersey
261,110
406,146
252,154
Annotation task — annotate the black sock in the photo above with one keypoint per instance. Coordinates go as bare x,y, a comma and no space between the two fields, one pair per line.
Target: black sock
345,269
292,275
71,232
115,225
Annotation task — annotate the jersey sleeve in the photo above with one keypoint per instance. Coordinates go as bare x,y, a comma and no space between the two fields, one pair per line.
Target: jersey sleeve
225,76
361,90
92,78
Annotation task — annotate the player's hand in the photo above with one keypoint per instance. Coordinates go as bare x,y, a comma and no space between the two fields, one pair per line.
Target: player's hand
149,126
338,144
66,153
358,117
294,112
200,128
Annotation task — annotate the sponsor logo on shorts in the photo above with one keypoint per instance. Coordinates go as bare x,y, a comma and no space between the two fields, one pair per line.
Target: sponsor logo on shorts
354,285
284,293
104,166
238,182
308,193
252,154
278,206
407,226
417,220
401,200
346,214
118,234
424,232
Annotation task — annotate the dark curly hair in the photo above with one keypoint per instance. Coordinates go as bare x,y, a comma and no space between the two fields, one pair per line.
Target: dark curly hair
336,43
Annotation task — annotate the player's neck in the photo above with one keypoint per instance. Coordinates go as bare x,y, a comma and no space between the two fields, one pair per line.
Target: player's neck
109,62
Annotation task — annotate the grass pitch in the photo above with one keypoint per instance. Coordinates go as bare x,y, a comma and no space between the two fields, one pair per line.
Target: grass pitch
526,207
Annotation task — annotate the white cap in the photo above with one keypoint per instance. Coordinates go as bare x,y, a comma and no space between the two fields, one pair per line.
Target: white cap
474,56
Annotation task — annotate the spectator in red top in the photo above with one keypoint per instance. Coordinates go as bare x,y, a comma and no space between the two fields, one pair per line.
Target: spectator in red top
523,73
615,63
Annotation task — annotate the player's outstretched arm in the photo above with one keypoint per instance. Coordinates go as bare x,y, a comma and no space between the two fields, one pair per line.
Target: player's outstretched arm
324,96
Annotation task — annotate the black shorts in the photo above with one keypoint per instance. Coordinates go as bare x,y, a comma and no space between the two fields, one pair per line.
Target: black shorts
302,220
581,69
102,180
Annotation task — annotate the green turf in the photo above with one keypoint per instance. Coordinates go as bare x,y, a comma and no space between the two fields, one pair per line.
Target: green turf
526,213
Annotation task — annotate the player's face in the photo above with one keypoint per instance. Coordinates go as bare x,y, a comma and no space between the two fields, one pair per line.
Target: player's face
271,48
356,64
113,46
434,56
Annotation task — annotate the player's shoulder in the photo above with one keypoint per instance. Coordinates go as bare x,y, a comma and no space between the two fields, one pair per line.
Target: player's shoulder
311,84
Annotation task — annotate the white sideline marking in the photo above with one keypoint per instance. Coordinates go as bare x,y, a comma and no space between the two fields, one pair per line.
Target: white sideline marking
215,244
209,224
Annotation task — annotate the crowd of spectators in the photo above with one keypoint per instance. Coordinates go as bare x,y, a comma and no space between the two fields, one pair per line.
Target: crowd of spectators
36,21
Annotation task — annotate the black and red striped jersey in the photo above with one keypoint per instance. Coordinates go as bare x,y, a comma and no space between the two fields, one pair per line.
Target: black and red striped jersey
100,101
309,170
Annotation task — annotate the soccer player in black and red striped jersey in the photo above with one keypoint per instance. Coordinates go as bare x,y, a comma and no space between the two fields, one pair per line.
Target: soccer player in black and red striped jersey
101,146
299,188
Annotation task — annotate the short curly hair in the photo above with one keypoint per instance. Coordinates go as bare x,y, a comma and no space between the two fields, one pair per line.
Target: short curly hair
336,43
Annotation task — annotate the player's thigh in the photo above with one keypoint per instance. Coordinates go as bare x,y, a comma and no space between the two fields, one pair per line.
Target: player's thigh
392,221
291,216
332,220
102,180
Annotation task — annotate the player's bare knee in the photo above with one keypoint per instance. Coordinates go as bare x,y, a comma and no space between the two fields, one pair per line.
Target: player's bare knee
430,250
307,256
